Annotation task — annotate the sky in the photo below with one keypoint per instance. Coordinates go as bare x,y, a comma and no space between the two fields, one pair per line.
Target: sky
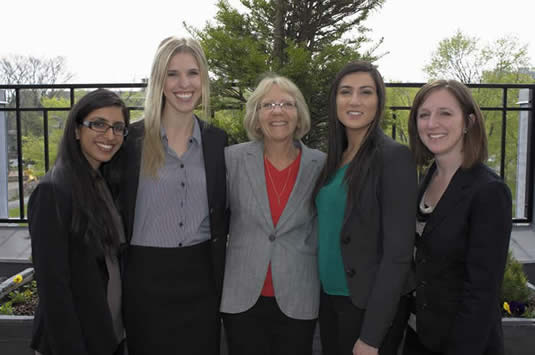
113,41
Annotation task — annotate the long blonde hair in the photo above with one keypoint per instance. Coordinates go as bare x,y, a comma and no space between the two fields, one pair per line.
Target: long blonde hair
153,152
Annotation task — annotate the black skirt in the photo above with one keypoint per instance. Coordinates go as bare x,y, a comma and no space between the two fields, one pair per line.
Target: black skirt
170,301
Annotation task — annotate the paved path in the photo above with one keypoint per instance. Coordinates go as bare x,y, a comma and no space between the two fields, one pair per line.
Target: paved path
15,243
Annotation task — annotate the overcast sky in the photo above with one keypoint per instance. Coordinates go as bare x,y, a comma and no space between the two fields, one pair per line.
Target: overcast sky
113,41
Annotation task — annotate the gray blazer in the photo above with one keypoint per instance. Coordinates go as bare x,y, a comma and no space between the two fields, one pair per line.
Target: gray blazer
254,242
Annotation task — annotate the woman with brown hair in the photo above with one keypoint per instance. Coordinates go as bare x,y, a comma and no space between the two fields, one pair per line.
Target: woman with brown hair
463,227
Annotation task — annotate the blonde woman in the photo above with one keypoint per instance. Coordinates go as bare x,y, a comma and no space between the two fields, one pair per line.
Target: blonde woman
271,288
173,200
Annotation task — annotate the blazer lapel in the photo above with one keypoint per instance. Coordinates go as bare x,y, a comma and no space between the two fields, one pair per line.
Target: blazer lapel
454,194
302,186
209,164
254,168
132,169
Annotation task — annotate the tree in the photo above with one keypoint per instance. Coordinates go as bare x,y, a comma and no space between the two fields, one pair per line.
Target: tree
18,69
461,57
307,41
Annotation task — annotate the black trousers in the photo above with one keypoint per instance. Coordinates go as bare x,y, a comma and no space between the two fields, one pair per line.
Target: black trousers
265,330
413,346
341,321
170,301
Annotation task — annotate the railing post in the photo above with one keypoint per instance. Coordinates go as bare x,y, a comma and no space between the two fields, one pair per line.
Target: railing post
522,191
4,160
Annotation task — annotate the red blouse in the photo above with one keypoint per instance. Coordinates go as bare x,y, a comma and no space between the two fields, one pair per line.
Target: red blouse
279,186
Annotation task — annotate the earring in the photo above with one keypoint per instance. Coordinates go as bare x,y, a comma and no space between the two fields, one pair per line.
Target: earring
465,130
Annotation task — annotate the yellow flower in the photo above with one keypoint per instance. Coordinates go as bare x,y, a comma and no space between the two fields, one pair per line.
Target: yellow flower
17,279
506,307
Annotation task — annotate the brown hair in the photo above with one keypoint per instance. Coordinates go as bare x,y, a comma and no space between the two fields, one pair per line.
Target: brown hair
475,139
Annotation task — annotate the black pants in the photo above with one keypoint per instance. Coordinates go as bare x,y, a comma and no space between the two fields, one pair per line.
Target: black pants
413,346
170,302
341,322
265,330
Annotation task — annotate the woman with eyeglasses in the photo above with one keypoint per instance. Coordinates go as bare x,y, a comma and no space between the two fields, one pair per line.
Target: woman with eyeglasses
76,236
271,288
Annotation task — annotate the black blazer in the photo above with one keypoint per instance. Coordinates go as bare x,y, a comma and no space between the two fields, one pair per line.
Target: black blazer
377,239
73,315
214,141
460,262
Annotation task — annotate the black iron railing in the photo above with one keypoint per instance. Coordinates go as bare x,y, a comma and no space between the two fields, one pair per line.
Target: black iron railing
509,119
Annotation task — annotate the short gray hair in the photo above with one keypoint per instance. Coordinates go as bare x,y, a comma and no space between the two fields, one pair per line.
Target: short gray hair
250,122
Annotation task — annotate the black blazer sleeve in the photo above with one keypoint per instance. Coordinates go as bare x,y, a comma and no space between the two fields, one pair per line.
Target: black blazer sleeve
50,253
397,201
486,252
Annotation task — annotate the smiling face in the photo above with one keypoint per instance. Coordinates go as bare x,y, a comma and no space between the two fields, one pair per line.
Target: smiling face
441,124
100,147
182,88
277,123
356,102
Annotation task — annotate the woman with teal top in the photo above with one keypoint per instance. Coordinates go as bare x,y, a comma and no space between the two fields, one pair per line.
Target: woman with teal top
365,199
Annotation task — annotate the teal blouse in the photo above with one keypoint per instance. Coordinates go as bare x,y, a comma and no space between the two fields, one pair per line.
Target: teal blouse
330,204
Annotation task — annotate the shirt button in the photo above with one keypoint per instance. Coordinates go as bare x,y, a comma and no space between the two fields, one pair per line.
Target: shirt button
182,165
350,272
179,244
180,224
182,184
271,237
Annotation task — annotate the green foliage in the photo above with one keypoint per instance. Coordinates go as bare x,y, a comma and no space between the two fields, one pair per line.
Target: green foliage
231,122
398,97
514,287
307,41
6,309
23,295
463,58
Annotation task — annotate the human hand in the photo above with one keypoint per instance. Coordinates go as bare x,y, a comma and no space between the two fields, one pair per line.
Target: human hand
361,348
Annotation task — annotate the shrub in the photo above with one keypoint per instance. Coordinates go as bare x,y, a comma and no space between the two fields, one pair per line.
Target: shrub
515,282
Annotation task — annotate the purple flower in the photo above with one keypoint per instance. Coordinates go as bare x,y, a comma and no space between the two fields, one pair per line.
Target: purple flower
517,308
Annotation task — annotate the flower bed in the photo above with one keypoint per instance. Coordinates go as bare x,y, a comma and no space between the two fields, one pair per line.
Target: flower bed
18,298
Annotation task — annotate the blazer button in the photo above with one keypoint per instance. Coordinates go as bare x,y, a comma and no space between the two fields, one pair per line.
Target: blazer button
422,284
212,211
350,272
346,239
271,237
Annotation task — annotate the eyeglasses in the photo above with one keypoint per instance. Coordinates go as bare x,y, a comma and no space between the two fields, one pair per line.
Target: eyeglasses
270,106
119,129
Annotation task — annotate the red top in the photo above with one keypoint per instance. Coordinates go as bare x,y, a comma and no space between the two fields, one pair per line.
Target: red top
279,186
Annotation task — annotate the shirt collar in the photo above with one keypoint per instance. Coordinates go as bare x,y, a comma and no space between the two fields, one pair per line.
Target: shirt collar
195,137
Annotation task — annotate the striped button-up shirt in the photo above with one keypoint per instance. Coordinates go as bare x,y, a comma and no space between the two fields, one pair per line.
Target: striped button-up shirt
172,208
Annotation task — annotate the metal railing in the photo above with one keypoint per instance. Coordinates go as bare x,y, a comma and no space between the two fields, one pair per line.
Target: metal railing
511,115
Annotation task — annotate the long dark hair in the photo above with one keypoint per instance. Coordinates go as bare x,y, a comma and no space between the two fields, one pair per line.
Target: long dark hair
90,217
364,161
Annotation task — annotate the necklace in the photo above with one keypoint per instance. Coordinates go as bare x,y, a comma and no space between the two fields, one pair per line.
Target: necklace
277,194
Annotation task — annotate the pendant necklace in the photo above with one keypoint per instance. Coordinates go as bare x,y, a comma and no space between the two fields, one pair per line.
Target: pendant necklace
277,194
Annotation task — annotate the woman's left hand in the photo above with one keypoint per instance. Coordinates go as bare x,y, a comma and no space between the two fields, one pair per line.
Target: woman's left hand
361,348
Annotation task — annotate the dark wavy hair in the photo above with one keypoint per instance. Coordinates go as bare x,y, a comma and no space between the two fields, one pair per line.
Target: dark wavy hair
362,164
90,218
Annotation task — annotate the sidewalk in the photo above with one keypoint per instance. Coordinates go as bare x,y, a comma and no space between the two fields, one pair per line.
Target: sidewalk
15,244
